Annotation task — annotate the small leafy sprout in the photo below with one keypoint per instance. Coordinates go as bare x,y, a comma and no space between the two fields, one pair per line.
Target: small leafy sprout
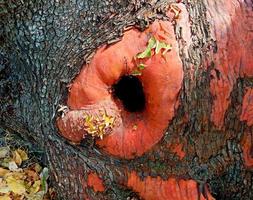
176,10
162,45
147,52
136,73
44,176
141,66
99,125
153,44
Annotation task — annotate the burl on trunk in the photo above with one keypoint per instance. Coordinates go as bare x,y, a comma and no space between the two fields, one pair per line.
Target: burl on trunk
133,99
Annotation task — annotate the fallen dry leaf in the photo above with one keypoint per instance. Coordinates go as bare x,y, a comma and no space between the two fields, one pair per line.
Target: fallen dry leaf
12,166
32,175
37,168
5,197
17,174
5,162
17,158
22,154
21,184
15,185
3,171
3,187
37,196
4,151
35,187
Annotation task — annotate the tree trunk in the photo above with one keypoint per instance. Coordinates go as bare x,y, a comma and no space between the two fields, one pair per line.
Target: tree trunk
208,143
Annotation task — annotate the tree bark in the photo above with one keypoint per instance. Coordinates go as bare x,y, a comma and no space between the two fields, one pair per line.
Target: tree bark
44,45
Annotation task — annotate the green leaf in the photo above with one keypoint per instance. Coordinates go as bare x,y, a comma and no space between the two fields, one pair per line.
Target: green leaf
44,176
151,43
144,54
136,73
141,66
154,44
147,52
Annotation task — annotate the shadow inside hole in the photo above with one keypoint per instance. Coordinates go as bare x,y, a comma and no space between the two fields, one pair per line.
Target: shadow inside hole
129,90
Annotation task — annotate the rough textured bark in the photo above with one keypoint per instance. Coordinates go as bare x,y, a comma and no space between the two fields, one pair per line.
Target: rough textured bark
44,44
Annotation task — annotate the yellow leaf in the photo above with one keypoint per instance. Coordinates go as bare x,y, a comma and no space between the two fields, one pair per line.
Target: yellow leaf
109,120
17,158
5,197
88,119
3,187
3,171
36,196
35,187
101,128
37,167
15,185
22,154
135,127
18,175
176,10
28,184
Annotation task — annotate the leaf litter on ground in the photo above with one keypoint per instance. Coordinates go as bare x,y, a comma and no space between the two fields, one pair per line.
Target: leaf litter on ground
22,183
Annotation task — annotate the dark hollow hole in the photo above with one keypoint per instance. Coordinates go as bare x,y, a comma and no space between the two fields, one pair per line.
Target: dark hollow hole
130,91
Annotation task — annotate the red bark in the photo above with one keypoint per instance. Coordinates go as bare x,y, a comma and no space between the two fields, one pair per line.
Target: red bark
247,147
171,189
177,148
247,107
247,115
95,182
135,133
232,60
